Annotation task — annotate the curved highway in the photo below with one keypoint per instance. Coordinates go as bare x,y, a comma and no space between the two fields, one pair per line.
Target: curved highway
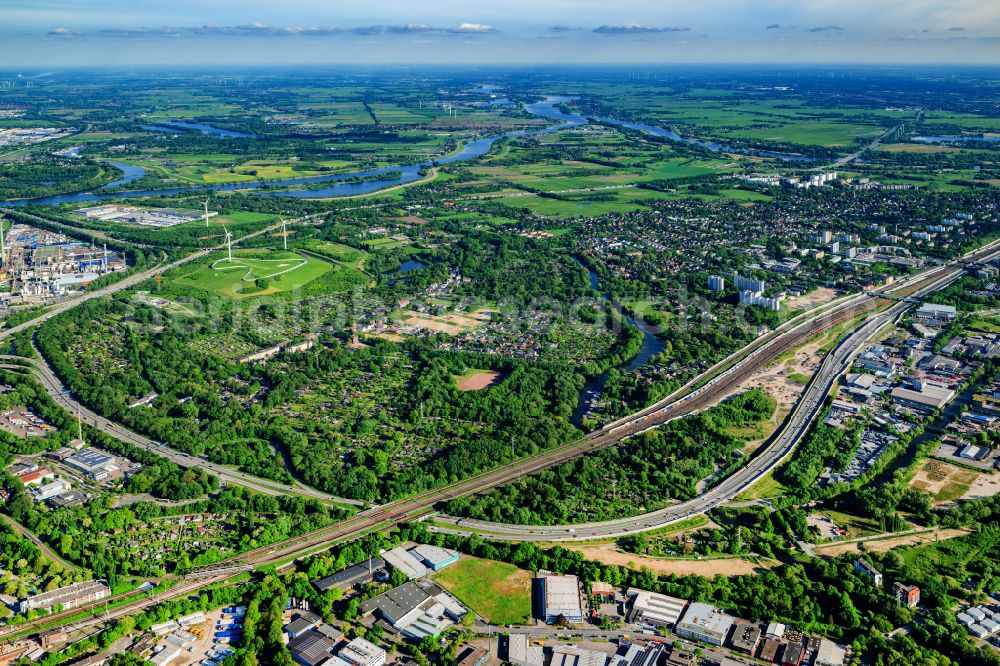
61,396
808,406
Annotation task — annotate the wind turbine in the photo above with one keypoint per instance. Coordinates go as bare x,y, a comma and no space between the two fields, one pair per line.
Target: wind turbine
284,232
229,243
205,202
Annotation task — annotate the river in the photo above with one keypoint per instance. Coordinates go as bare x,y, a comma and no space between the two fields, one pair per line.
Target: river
402,174
174,125
651,346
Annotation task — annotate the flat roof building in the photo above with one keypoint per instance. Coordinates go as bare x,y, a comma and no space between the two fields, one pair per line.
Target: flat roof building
769,650
654,608
936,311
603,590
745,637
351,576
794,652
521,652
311,648
69,596
906,594
395,604
570,655
705,623
360,652
830,654
401,559
89,459
927,397
434,557
561,594
638,655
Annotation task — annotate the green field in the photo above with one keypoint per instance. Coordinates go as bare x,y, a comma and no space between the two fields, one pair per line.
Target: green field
254,274
497,591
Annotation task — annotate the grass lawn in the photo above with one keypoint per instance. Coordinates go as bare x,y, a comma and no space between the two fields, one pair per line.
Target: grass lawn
282,271
767,488
497,591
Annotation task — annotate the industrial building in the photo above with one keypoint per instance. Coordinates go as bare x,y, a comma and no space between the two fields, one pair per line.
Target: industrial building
50,490
830,654
311,648
301,624
146,217
702,622
520,651
652,608
416,609
570,655
68,597
473,657
353,575
935,311
923,396
360,652
402,559
433,557
94,463
561,595
638,655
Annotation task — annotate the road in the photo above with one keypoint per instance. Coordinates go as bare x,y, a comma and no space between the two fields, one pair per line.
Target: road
423,503
58,392
808,406
42,546
871,146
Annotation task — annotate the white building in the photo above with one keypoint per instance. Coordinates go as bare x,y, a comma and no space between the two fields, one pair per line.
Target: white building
935,311
521,652
705,623
360,652
562,598
653,608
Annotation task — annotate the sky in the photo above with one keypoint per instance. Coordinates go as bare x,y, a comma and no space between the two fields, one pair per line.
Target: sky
64,33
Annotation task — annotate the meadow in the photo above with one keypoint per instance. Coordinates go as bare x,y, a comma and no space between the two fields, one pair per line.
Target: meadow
254,273
497,591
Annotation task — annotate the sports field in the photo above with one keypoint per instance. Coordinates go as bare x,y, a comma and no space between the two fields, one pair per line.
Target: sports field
497,591
254,274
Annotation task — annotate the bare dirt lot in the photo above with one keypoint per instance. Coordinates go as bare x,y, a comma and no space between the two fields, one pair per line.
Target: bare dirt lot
610,554
479,381
820,296
881,545
945,482
450,323
985,485
785,380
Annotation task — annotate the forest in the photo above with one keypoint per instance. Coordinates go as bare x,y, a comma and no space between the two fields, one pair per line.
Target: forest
641,474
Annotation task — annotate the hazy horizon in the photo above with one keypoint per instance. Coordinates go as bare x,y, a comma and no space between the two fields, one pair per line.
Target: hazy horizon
61,33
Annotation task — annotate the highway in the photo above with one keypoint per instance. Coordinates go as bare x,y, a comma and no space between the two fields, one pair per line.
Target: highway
58,392
783,442
422,504
52,385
